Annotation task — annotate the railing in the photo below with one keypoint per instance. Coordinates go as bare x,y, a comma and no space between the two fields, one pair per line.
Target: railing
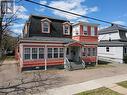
83,63
68,64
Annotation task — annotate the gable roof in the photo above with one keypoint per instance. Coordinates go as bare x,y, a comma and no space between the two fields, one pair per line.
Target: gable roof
112,29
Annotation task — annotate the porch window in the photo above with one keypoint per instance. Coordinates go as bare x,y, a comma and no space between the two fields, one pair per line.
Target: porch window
41,53
34,53
50,53
89,51
94,51
84,52
26,53
55,52
61,53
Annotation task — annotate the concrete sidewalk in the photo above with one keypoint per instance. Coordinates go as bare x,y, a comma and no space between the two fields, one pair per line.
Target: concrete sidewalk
89,85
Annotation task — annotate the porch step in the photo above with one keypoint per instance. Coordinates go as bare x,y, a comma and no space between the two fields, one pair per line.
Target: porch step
76,66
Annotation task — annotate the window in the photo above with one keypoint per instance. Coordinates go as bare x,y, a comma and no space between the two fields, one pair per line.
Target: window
94,52
66,29
85,29
45,27
61,53
26,53
41,53
89,51
34,53
55,52
50,53
92,31
84,52
107,49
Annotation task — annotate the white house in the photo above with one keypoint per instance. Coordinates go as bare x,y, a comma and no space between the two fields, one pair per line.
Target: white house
112,43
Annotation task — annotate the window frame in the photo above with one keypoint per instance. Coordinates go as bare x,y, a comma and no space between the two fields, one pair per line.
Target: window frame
48,23
107,49
33,53
26,53
66,25
92,31
61,52
39,53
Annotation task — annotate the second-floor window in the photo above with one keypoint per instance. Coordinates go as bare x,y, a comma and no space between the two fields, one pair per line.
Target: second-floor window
92,31
85,30
45,27
66,30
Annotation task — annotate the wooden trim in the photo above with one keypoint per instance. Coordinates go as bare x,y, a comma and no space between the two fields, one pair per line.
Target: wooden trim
48,27
68,30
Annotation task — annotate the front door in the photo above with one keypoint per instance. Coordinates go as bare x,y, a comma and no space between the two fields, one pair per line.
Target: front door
73,53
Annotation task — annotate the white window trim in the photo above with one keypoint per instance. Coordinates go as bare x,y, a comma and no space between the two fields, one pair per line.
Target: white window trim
68,29
42,24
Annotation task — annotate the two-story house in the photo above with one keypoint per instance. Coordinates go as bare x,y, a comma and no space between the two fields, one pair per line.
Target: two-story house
52,42
112,43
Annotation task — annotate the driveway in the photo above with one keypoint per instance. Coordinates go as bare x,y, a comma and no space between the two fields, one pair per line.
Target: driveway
55,78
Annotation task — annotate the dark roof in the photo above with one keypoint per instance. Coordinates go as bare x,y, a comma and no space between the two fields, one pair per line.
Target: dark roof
56,27
47,39
49,17
112,43
113,28
53,39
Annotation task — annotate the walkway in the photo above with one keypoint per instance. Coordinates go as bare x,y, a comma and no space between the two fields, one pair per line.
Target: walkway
89,85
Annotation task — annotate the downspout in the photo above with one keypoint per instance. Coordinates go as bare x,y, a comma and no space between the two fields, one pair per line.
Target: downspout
45,57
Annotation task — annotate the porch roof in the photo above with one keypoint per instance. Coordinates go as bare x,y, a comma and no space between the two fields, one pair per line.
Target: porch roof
47,39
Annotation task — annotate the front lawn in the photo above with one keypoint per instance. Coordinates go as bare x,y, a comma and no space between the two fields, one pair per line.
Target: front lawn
123,84
99,91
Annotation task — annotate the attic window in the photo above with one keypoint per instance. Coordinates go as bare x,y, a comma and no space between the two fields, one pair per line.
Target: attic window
45,26
66,28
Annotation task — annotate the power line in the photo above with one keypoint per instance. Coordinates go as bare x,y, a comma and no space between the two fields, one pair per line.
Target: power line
104,21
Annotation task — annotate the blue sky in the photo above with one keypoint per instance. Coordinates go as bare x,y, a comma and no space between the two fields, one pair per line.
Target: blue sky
109,10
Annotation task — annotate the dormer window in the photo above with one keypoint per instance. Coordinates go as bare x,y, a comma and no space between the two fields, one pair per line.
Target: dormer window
45,25
66,28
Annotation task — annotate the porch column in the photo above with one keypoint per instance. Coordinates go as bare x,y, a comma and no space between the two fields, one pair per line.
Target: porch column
65,50
45,56
96,56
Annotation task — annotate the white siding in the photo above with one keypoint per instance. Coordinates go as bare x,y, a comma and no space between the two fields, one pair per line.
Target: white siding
114,54
113,36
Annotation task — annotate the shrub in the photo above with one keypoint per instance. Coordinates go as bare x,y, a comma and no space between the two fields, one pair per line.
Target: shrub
125,59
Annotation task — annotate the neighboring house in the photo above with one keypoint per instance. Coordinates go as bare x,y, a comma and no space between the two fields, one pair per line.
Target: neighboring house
50,42
113,43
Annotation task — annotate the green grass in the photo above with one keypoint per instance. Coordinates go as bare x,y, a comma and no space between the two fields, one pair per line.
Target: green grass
99,91
123,84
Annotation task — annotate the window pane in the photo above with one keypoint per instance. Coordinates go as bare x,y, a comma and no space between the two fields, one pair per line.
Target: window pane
27,50
45,27
88,51
26,53
84,52
107,49
34,53
61,52
92,31
26,56
66,30
41,53
55,52
49,52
